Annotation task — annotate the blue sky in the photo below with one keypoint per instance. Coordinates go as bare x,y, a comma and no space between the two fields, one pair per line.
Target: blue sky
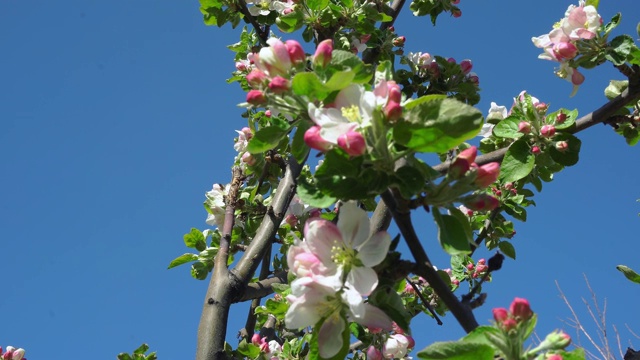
115,120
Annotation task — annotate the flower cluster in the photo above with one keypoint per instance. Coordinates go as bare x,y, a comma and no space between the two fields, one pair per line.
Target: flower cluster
215,205
478,269
579,23
12,353
464,167
343,122
394,346
271,349
333,269
519,312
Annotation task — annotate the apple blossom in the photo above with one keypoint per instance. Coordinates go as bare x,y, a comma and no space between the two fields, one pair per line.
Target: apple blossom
296,52
487,174
274,60
500,315
482,202
256,97
256,78
497,112
396,346
215,205
521,309
562,146
547,130
535,150
524,127
279,85
466,66
462,163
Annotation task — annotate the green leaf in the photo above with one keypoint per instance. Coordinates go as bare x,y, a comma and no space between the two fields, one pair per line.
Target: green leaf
340,80
437,125
317,5
389,301
479,335
309,84
629,274
346,61
195,239
182,259
451,234
507,249
248,349
575,354
619,49
508,128
409,180
290,22
457,351
570,119
518,162
310,194
593,3
570,156
615,88
266,139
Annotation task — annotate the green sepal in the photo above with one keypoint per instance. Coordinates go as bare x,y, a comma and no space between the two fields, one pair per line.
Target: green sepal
629,274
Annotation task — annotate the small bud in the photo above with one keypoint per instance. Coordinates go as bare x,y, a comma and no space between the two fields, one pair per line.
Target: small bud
392,111
561,118
322,56
473,77
279,85
524,127
565,51
520,309
462,162
267,113
554,357
241,66
374,354
482,261
466,66
255,339
291,220
313,139
556,340
434,69
487,174
451,60
456,13
391,28
455,282
577,78
399,41
470,267
353,143
508,186
256,78
248,159
482,202
256,97
562,146
296,53
535,150
509,324
395,94
548,130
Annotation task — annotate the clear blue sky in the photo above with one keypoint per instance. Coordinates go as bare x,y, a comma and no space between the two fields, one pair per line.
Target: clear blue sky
115,120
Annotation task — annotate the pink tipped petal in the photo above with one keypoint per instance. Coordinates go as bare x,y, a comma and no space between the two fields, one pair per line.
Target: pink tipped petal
353,222
321,235
376,318
363,279
330,336
375,249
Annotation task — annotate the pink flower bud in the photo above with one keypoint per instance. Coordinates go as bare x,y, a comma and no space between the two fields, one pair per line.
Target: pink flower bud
524,127
395,94
561,118
248,159
255,339
247,132
313,139
412,342
487,174
451,60
392,111
473,78
482,202
508,186
548,130
462,162
482,261
556,340
274,59
296,52
315,213
509,324
374,354
562,146
456,13
267,113
554,357
399,41
434,69
520,309
565,51
322,56
353,143
541,107
455,2
241,66
455,282
291,219
256,78
470,267
500,315
391,28
466,66
279,85
535,150
577,78
256,97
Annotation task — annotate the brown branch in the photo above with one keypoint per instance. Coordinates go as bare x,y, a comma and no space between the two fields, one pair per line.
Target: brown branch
251,315
424,267
263,288
370,56
263,34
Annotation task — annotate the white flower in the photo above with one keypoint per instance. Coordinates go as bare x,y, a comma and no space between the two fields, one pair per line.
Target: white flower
353,108
395,347
486,131
215,205
497,112
260,7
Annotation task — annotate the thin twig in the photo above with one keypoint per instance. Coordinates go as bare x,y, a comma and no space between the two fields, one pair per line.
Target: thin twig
424,301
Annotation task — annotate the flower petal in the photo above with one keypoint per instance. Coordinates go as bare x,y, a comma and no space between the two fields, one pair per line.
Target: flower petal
374,249
330,336
363,279
376,318
353,223
321,235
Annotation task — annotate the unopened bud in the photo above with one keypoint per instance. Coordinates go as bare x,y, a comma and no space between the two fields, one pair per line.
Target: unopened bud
535,150
548,130
562,146
296,53
466,66
462,162
256,97
374,354
399,41
565,50
561,118
353,143
521,309
456,13
482,202
473,77
322,56
524,127
313,139
248,159
392,111
487,174
256,78
279,85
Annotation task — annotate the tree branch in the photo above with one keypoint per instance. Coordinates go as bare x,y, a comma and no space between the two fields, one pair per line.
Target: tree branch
263,288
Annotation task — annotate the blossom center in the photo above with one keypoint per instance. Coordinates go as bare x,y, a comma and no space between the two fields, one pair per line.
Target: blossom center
351,113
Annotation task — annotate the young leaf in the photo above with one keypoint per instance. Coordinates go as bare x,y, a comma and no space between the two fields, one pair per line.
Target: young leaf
182,259
437,125
569,156
517,163
266,139
507,249
451,234
459,350
195,239
629,274
508,128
